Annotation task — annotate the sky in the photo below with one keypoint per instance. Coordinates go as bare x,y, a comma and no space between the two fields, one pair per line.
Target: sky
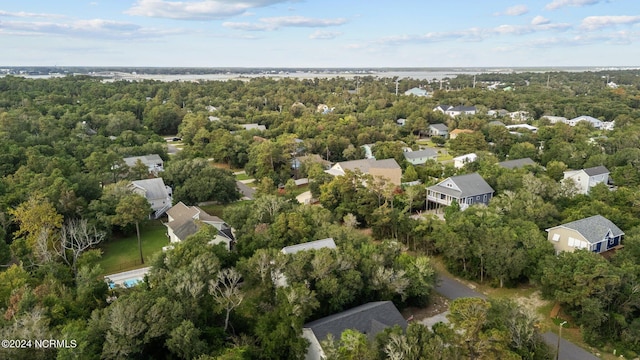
320,33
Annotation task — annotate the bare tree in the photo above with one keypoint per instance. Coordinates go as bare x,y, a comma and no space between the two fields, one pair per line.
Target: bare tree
226,291
77,236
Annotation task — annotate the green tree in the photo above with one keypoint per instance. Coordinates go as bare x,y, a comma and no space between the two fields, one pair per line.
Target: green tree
132,209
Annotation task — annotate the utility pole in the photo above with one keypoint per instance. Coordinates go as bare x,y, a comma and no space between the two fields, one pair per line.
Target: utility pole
559,337
397,82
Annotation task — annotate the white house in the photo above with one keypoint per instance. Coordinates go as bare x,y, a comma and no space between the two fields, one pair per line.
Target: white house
461,110
593,121
156,193
585,179
253,127
554,119
438,130
461,160
417,92
421,156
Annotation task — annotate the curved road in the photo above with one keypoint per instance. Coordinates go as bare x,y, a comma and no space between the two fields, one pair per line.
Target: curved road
453,289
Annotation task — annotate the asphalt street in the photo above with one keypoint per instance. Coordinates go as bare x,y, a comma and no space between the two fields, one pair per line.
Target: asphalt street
453,289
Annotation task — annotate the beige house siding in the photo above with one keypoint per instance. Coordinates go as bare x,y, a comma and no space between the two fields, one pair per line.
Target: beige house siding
392,175
562,244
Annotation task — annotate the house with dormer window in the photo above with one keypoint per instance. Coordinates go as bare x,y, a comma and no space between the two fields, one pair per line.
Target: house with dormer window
465,189
595,233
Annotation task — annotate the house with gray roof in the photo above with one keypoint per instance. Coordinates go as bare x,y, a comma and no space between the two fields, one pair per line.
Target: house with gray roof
595,233
442,108
420,157
156,192
184,221
517,163
154,162
438,130
466,190
369,319
596,123
585,179
461,110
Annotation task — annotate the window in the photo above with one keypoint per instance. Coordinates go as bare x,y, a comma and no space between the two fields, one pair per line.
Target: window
571,241
442,196
484,198
556,237
478,198
469,200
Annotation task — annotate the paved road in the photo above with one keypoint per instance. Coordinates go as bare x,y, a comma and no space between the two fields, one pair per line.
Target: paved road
453,289
246,191
568,351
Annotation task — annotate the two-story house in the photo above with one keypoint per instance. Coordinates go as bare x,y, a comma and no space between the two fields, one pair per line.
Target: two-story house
585,179
156,193
595,233
466,190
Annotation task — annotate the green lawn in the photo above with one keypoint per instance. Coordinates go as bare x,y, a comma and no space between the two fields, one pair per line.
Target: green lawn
243,177
218,209
122,254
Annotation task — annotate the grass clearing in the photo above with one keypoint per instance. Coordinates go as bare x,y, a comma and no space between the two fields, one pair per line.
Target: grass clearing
218,209
243,177
122,254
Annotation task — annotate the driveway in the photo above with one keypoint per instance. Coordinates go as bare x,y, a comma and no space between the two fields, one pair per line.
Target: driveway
453,289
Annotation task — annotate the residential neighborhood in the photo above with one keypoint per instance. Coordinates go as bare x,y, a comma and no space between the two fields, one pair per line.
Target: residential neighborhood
327,218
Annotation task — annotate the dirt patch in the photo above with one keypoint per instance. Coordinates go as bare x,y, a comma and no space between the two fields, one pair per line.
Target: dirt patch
438,305
532,303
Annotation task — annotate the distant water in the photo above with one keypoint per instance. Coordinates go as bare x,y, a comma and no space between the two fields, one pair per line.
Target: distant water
417,73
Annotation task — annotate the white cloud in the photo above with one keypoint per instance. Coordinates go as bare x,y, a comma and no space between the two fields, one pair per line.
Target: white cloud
22,14
556,4
95,28
275,23
540,20
196,10
598,22
324,35
515,10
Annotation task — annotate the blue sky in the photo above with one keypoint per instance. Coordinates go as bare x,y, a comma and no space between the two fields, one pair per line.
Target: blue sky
320,33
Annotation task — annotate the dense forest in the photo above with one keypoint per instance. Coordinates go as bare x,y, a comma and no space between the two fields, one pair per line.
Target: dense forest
63,183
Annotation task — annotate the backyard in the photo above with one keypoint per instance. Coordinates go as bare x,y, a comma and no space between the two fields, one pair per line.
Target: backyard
121,254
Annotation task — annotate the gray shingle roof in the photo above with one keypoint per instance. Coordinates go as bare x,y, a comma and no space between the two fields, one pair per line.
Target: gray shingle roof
369,319
596,170
517,163
384,164
439,127
593,228
150,159
462,108
420,154
470,185
154,188
311,245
